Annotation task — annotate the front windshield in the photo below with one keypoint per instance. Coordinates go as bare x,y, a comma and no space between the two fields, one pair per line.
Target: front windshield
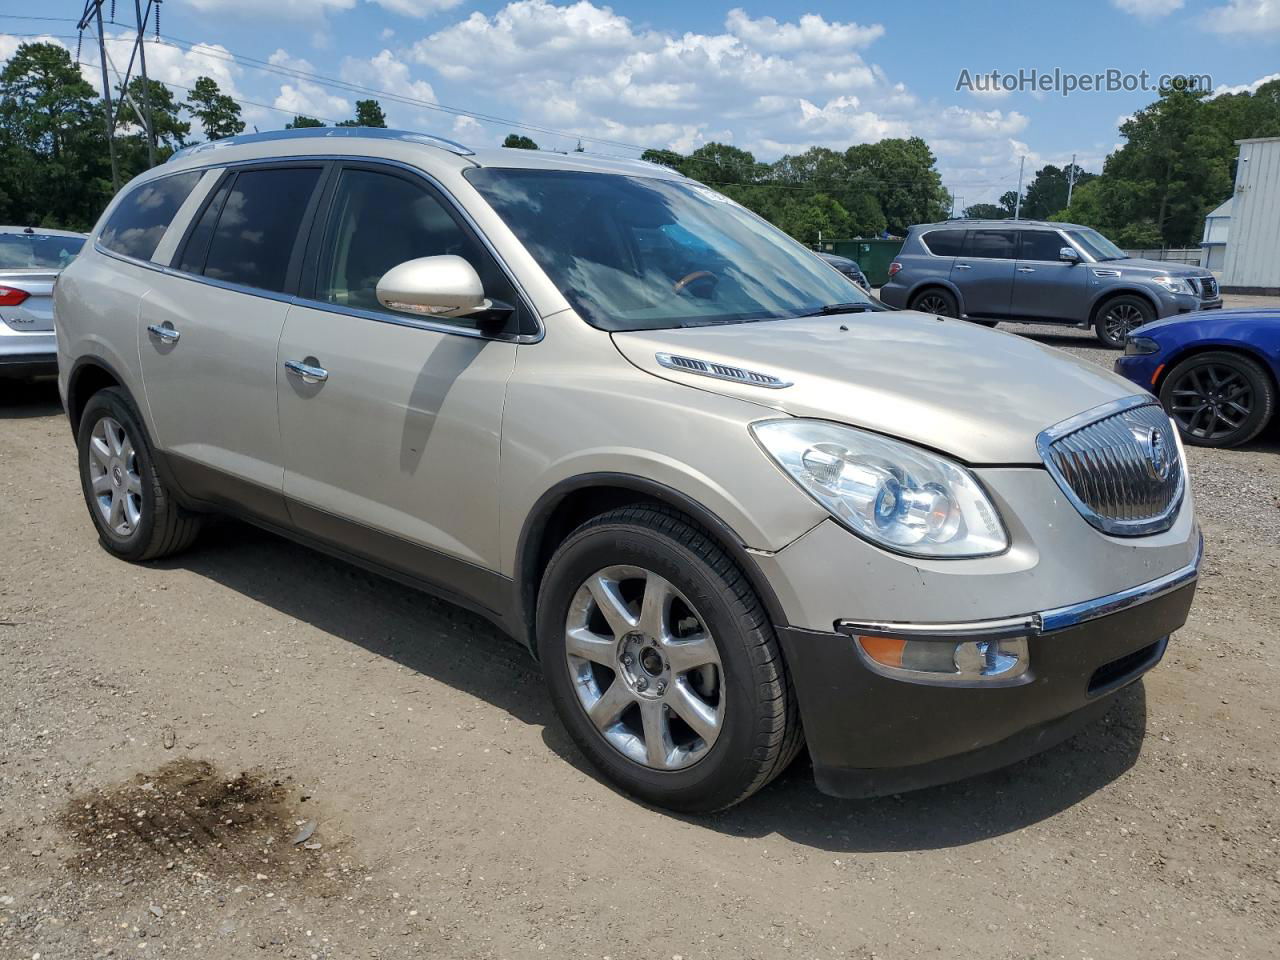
24,250
639,253
1096,245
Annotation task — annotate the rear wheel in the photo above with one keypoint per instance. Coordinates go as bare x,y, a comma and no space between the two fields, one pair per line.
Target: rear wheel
1218,399
131,507
1119,317
662,663
936,301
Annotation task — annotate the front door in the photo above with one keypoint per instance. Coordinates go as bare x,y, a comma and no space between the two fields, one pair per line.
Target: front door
391,426
207,339
1044,287
984,272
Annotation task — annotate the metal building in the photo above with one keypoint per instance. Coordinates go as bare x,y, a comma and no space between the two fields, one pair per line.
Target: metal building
1252,262
1217,227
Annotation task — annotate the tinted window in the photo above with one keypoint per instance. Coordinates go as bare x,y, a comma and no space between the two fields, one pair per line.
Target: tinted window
993,244
258,227
944,243
139,221
379,220
197,248
1041,245
642,253
22,250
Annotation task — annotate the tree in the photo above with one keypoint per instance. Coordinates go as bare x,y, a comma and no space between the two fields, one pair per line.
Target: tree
368,114
218,113
171,131
985,211
301,120
54,168
518,141
903,176
1047,192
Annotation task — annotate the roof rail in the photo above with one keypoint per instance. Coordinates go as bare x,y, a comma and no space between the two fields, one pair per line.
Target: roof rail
313,133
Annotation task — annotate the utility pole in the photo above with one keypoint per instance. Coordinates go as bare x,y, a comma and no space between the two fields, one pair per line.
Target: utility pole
1017,203
93,10
1071,179
146,85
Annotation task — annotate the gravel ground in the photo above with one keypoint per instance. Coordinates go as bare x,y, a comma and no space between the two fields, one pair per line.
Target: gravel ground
251,750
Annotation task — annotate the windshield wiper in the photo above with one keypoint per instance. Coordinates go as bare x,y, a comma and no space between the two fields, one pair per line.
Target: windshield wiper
833,308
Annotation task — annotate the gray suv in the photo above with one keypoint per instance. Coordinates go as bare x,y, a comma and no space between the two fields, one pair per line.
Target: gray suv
1031,271
729,510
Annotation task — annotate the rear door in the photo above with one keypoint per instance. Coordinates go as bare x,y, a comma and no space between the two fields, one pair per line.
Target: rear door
1044,287
984,272
208,334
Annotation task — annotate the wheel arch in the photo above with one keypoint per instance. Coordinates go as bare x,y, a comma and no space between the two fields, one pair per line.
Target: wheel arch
88,376
1187,351
1110,293
941,283
575,500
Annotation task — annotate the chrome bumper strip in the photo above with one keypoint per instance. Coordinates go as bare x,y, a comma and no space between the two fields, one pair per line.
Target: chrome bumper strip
1047,621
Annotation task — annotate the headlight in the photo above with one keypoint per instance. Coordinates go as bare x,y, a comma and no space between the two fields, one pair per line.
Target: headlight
898,496
1174,284
1140,346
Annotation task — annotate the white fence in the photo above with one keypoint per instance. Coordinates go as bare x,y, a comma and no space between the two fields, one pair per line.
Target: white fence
1190,256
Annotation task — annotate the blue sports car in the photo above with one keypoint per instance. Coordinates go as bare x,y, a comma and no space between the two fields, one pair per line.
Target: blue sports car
1216,372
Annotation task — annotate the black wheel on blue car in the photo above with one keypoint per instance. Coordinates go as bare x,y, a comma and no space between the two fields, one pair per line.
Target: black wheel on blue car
936,301
662,662
1119,317
1218,398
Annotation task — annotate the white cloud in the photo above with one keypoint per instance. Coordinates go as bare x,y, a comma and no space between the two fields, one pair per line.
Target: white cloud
301,96
1148,9
417,8
1252,17
311,9
812,32
1245,87
386,72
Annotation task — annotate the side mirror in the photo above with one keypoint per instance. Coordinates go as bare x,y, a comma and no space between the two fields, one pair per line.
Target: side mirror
1068,255
444,286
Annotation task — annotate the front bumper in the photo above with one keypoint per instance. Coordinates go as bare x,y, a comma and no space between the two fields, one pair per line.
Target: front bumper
870,734
1175,304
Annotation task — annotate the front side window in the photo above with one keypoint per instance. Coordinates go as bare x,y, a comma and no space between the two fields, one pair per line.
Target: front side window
1042,245
640,253
257,227
379,220
19,251
944,243
1096,245
139,221
991,244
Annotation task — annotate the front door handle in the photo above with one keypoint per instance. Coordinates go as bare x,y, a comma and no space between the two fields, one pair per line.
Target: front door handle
164,331
963,266
1026,269
306,372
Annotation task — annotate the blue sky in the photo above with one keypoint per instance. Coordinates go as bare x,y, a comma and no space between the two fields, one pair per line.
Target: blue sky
772,76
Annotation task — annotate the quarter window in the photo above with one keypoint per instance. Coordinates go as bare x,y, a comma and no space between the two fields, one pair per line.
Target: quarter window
991,244
1041,245
380,220
139,221
257,227
944,243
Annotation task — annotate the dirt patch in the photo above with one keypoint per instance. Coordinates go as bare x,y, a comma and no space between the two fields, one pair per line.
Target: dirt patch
190,818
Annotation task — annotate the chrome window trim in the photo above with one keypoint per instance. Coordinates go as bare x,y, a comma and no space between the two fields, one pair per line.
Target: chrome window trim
1120,528
1035,624
441,326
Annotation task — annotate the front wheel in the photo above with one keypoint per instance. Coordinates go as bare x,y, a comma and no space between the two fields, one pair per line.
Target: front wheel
662,662
1218,399
1119,317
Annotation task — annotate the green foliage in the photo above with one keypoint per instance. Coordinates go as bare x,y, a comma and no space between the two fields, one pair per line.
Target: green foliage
1047,192
171,131
368,114
301,120
519,141
986,211
218,114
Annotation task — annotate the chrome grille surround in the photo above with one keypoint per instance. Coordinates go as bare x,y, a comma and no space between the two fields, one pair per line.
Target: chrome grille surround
1121,465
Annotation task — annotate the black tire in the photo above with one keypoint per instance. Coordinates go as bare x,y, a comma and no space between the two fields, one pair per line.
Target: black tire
1218,398
161,527
937,301
1120,316
760,731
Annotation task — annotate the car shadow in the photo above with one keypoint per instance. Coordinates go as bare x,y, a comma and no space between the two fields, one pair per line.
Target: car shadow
28,399
461,649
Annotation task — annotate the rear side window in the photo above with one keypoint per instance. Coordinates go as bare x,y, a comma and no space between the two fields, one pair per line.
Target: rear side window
257,227
944,243
23,250
991,244
140,219
1041,245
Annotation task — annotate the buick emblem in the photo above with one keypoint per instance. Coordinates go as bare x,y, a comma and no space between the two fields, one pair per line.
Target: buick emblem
1155,448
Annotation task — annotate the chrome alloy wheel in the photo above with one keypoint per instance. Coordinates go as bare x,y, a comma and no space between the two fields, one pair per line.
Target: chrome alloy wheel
645,667
1120,320
113,475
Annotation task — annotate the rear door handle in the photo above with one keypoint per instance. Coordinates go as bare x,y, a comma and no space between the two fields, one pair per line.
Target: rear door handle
963,266
1026,269
164,331
306,372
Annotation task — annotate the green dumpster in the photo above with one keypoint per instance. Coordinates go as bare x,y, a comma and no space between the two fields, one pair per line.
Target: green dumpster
873,256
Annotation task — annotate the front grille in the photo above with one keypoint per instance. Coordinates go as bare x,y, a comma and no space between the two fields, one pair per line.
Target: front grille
1119,465
1208,288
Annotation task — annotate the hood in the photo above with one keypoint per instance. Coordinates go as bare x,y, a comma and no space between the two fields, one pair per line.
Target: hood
1244,316
1156,268
977,394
